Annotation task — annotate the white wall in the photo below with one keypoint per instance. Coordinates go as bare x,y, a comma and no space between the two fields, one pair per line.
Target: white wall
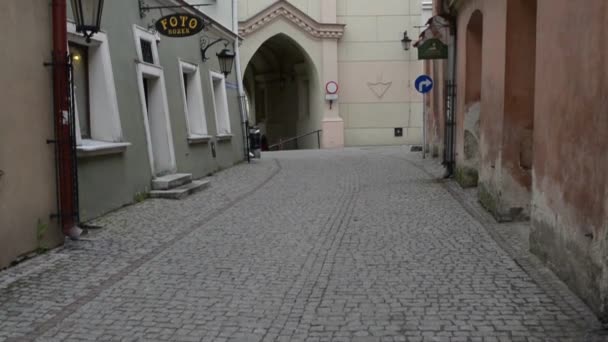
376,74
249,8
221,11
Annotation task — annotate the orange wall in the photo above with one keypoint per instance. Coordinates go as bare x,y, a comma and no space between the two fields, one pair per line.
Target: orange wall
571,136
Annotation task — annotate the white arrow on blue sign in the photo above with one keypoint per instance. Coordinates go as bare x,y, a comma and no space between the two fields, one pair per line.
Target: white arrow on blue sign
424,84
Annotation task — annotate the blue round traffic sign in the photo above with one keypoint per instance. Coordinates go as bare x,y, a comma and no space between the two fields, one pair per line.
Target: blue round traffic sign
424,84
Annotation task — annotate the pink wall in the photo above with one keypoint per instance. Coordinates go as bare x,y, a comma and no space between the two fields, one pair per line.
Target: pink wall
492,82
519,104
435,101
570,139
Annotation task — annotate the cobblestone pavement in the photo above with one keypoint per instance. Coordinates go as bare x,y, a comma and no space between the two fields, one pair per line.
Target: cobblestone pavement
350,245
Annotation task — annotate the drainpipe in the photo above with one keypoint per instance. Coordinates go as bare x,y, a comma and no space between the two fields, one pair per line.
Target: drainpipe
64,130
452,78
239,80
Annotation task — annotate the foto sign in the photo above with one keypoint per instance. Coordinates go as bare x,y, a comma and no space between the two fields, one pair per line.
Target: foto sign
179,25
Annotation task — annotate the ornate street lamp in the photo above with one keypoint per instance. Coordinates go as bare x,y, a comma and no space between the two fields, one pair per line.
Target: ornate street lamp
87,14
406,41
225,57
226,60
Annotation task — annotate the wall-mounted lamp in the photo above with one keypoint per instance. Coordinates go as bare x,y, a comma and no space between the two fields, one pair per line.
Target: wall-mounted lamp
406,42
87,14
226,60
225,57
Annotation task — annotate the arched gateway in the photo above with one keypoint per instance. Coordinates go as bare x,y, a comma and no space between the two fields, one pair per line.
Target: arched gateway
288,57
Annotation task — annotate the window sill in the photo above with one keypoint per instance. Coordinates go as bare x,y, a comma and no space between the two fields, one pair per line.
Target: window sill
92,148
198,139
223,137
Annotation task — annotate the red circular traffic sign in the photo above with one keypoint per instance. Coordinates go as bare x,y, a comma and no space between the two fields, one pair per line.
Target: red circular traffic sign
332,87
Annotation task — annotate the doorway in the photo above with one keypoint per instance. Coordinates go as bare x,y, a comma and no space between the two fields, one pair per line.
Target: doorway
156,119
279,78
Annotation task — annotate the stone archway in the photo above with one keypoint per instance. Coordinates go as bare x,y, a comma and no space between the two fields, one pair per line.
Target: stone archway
282,24
280,79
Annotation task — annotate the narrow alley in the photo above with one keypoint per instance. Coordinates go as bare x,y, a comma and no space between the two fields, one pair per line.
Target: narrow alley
357,244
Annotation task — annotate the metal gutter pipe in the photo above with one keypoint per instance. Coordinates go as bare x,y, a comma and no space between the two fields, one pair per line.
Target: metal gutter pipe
64,130
239,80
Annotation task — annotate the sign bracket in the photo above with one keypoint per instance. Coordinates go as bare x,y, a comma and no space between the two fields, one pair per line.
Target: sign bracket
143,8
206,44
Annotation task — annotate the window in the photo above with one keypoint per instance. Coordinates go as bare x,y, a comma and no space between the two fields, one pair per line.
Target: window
80,74
146,51
193,102
98,128
154,104
146,45
220,104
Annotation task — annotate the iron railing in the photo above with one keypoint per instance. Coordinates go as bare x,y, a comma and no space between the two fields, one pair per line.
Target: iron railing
449,152
293,142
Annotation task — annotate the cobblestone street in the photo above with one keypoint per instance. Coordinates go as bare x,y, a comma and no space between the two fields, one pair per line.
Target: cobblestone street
351,245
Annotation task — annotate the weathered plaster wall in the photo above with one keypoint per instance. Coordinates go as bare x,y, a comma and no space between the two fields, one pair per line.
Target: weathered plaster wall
109,182
502,137
505,106
519,108
570,160
27,166
491,107
436,100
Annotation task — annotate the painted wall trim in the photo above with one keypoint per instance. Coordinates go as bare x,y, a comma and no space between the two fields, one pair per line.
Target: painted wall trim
283,9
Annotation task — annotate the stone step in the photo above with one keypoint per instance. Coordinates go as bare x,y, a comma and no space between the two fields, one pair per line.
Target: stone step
182,191
171,181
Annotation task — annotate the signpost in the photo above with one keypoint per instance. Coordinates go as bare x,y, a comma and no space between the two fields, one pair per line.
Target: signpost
423,85
179,25
331,89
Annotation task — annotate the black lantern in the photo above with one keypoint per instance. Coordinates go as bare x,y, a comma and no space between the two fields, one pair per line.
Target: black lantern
406,41
226,59
87,14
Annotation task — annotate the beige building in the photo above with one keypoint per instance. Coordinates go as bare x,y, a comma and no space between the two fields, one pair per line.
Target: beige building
292,49
27,166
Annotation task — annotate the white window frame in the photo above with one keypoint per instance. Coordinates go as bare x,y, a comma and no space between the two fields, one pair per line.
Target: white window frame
147,70
221,109
153,37
106,129
194,105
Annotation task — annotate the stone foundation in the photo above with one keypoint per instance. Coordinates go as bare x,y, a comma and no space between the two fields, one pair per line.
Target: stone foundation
467,177
575,261
491,200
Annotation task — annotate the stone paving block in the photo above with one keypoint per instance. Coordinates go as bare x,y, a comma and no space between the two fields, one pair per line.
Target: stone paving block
356,244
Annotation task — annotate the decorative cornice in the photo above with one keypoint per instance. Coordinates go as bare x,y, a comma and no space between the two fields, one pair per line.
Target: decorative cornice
283,9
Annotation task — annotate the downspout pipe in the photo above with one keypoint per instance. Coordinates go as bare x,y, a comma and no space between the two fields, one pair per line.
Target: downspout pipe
239,80
64,133
452,65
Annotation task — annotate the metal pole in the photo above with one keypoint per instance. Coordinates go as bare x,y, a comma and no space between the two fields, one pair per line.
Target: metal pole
424,97
239,82
319,139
